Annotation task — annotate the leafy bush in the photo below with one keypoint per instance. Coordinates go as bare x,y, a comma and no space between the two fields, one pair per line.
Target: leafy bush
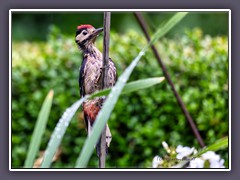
140,121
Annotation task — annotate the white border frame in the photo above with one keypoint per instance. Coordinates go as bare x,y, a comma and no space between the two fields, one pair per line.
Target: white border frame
116,10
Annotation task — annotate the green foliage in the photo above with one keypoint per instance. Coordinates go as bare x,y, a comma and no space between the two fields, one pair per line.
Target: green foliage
140,121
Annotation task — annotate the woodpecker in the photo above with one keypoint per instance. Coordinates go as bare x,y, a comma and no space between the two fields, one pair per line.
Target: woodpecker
90,76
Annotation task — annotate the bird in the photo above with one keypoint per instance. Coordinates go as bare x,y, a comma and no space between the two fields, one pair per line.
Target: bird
90,74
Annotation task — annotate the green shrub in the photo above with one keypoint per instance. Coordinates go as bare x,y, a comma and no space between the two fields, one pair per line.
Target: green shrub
140,121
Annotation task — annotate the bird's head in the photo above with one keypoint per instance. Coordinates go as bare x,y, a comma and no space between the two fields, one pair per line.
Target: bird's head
86,35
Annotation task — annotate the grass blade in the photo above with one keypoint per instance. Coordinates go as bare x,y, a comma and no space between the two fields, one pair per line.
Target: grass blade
141,84
162,30
108,106
39,130
58,133
219,144
132,86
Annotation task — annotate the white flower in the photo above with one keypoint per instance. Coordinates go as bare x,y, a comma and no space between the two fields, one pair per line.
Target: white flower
210,155
157,160
184,151
165,145
217,164
214,159
196,163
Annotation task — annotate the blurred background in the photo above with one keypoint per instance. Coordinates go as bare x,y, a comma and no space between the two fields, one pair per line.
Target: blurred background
35,26
44,57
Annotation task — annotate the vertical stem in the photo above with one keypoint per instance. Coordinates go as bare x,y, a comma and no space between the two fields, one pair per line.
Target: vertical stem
104,79
143,25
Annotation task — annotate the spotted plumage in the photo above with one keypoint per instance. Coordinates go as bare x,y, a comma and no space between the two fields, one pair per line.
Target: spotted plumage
90,75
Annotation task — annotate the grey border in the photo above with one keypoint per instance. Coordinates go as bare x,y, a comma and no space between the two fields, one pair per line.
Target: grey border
114,169
5,6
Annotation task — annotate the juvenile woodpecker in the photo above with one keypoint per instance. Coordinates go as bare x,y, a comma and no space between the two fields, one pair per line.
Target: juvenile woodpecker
90,76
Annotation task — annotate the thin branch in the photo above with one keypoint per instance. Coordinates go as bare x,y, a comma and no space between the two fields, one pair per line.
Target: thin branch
107,15
143,25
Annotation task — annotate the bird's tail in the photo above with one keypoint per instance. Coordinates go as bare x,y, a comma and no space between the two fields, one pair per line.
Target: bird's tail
108,141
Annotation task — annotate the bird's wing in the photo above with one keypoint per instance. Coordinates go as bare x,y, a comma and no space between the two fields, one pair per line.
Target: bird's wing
81,77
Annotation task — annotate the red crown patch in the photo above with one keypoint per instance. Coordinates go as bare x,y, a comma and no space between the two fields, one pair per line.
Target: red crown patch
84,26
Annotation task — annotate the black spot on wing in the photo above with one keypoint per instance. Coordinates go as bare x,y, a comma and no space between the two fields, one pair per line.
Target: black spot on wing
86,119
81,77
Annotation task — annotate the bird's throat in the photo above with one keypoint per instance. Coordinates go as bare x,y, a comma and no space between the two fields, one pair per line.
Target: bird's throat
92,51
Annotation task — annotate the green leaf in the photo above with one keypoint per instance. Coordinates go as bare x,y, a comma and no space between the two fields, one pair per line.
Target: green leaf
219,144
39,130
132,86
162,30
64,121
58,133
109,104
141,84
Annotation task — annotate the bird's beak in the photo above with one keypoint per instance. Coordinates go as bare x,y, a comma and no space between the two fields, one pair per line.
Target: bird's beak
94,34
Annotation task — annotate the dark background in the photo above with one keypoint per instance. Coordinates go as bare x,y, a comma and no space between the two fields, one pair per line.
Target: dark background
37,24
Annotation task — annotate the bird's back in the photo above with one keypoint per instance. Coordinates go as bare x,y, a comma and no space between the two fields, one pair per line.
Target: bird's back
91,72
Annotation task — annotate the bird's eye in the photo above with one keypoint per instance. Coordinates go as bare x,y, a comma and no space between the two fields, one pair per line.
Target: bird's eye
84,32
